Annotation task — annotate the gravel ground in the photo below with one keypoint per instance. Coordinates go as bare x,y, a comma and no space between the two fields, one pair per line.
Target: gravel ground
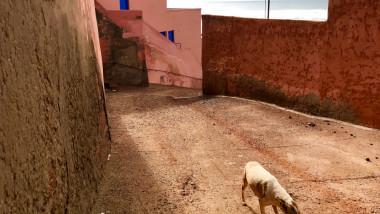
176,151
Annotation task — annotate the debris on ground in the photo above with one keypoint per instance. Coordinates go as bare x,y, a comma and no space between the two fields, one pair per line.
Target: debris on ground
367,159
311,124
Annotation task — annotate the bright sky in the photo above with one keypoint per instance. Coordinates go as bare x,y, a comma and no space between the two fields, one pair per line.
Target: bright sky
188,3
280,9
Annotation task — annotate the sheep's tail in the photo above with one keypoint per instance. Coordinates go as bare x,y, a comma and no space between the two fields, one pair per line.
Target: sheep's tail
243,186
244,179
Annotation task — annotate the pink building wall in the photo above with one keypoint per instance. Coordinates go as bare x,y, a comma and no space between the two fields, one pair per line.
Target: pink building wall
189,33
110,4
185,22
168,63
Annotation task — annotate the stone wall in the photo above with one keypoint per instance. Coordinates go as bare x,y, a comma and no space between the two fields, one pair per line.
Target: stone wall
323,68
123,58
53,128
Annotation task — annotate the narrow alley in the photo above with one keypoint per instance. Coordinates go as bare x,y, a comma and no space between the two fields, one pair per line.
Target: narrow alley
176,151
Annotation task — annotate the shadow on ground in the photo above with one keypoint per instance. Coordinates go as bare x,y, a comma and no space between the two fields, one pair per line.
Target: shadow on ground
128,185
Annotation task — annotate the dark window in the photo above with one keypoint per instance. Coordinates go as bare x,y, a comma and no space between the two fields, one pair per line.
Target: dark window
171,35
124,4
163,33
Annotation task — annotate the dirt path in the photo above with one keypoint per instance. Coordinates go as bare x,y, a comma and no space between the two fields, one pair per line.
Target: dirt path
175,151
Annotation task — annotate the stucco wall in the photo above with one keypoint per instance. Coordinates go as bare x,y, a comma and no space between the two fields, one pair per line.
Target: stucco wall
53,129
123,58
187,25
323,68
352,72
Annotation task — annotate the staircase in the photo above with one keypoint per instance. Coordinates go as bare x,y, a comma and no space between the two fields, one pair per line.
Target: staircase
165,62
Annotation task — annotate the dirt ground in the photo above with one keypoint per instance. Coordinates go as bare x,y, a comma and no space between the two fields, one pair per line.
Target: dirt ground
176,151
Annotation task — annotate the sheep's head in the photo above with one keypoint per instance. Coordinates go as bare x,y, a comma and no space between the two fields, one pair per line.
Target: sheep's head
289,207
293,208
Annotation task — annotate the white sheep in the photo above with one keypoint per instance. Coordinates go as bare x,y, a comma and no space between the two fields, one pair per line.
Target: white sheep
267,189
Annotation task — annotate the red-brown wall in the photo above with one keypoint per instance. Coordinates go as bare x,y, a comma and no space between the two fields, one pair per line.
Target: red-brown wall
352,71
324,68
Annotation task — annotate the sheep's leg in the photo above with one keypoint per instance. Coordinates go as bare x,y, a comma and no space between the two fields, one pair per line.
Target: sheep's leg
262,207
275,209
245,184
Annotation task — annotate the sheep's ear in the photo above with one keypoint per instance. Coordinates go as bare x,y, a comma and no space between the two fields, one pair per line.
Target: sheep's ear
292,195
295,204
282,203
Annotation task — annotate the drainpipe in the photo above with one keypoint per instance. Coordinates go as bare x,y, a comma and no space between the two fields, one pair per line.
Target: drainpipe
268,8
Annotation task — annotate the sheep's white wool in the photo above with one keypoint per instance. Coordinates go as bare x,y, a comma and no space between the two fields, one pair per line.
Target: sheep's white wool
267,188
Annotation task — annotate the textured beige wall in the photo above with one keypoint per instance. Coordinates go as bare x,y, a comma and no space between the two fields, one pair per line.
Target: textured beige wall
53,130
